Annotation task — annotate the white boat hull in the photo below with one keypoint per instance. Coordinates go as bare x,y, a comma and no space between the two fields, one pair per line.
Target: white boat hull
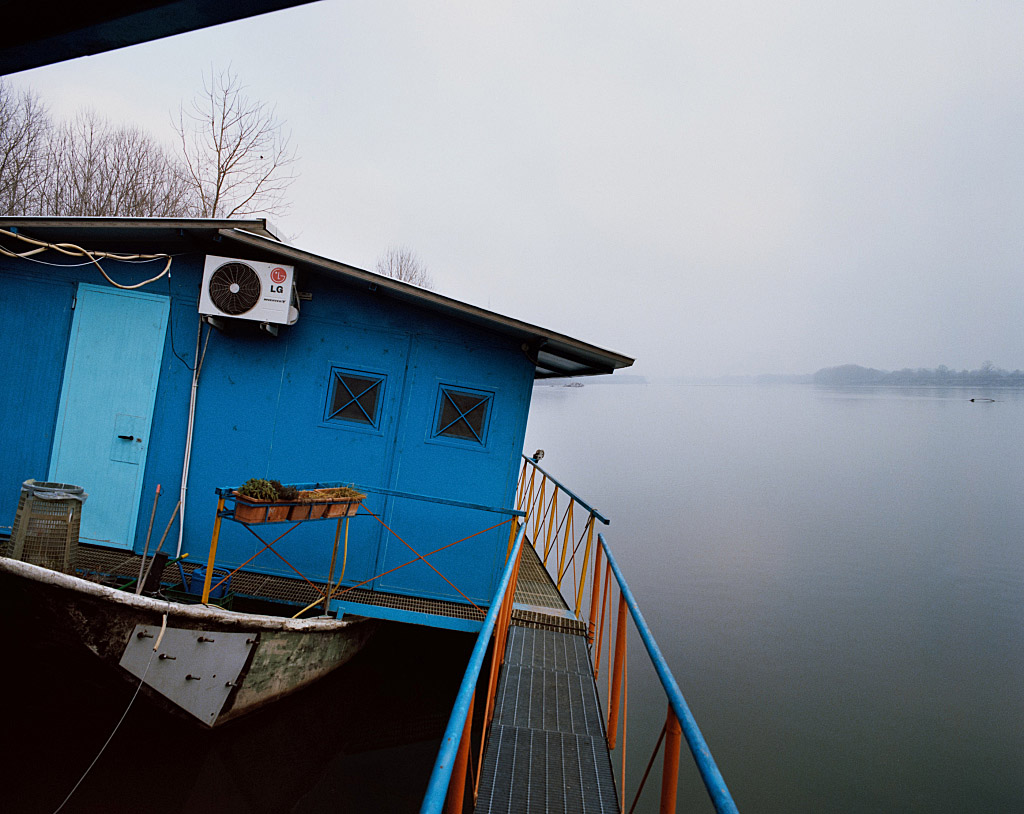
246,660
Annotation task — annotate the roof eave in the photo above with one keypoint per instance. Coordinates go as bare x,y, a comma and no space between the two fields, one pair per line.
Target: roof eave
214,226
554,355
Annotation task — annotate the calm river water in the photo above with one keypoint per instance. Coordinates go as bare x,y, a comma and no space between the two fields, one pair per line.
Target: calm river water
835,575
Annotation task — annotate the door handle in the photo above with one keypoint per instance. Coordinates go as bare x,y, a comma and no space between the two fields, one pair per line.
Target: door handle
127,437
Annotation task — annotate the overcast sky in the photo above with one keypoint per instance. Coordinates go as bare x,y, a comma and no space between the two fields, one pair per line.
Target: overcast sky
715,188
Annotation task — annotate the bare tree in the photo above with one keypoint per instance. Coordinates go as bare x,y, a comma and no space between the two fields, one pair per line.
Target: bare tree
25,129
95,168
235,160
401,263
238,160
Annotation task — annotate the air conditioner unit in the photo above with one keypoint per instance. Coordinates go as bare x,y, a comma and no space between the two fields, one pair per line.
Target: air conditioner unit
246,289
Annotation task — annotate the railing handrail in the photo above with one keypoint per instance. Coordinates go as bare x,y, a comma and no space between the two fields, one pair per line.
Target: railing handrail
228,491
713,780
569,492
440,777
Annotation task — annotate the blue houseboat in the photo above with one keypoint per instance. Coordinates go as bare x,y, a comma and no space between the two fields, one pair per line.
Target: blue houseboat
186,357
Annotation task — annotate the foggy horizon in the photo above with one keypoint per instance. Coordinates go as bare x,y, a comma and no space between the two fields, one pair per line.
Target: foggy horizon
732,190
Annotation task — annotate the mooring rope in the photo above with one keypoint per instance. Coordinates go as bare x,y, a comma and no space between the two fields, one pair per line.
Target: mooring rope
163,628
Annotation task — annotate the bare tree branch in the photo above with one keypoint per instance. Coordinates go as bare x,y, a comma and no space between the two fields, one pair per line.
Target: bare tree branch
94,168
237,159
25,130
401,263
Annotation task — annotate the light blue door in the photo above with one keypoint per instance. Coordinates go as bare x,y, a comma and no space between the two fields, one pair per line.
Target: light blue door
106,407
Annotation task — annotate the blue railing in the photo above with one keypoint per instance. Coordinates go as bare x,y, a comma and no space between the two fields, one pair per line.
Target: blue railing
440,777
551,520
712,777
549,526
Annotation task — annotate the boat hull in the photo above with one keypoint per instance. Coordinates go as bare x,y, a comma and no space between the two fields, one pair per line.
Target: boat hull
280,655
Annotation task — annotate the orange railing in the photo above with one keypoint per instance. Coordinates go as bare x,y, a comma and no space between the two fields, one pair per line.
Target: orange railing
553,514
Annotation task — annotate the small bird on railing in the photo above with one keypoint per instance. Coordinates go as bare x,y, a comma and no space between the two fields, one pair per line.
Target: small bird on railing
538,455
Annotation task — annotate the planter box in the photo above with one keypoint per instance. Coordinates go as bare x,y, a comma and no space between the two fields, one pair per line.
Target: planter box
342,508
251,511
300,512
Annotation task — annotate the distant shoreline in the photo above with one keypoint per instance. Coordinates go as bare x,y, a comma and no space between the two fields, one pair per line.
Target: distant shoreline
843,375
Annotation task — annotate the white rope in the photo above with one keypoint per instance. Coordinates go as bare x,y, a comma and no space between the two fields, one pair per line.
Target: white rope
124,715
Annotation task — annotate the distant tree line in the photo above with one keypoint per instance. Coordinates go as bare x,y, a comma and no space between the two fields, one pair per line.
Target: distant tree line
987,375
233,159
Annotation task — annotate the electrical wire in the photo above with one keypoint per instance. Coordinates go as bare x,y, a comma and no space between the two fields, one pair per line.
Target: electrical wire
92,258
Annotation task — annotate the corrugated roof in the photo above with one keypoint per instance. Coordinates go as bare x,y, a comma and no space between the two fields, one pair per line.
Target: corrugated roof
554,354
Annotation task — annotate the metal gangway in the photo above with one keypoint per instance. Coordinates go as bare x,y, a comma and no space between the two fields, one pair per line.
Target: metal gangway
544,743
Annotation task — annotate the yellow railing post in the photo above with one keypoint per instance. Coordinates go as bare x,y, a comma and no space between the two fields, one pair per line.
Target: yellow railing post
670,770
586,559
512,535
533,475
552,513
211,558
334,557
564,565
600,626
538,516
520,494
617,669
596,580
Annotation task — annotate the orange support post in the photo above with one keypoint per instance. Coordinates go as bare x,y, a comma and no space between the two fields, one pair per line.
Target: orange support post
620,658
457,784
600,625
595,591
670,772
583,569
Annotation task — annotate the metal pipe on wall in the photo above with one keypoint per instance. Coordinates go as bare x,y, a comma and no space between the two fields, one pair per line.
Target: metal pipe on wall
197,366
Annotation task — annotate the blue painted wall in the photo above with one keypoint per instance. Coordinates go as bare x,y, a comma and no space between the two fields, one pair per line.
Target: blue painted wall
261,413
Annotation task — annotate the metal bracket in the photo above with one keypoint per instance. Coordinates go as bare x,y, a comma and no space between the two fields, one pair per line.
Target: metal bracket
196,670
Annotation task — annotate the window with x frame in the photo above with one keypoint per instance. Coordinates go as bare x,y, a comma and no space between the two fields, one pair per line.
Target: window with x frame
355,396
462,414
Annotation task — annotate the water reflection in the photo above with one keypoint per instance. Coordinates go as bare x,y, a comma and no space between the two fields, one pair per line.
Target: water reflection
836,575
363,739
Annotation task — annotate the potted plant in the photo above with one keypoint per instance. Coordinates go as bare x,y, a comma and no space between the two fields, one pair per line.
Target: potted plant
255,503
291,495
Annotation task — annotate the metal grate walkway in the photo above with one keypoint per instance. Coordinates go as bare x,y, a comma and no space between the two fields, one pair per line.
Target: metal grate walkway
95,562
546,751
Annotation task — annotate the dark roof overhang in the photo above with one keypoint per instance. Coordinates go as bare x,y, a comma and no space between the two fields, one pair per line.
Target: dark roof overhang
38,34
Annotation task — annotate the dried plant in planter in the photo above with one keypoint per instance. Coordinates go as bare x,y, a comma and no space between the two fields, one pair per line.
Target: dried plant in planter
315,503
342,501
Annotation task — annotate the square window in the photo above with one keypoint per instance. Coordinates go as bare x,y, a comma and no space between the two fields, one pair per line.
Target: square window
462,414
354,396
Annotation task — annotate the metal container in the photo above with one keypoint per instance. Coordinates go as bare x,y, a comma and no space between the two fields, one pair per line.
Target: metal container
46,525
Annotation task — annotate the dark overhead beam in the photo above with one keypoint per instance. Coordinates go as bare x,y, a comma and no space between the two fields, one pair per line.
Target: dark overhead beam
36,34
